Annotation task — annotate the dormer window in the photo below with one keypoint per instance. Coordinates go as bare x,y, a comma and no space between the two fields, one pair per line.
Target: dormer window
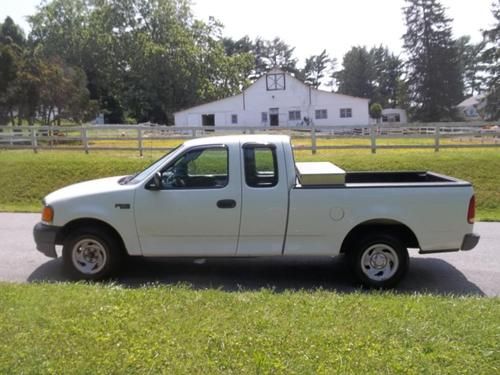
275,81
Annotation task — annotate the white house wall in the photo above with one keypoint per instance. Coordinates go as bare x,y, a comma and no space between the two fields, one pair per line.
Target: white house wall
333,103
222,109
297,96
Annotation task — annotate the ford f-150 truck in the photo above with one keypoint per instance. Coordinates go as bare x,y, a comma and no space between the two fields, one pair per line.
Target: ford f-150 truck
244,196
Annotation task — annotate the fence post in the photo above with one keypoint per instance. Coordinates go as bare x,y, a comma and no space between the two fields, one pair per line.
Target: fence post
50,134
193,132
437,133
11,137
139,139
34,142
373,139
313,139
85,139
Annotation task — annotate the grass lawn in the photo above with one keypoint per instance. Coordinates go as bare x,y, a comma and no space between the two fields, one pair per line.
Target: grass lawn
26,177
103,329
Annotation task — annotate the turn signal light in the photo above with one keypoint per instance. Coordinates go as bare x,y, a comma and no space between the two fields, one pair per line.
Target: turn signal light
47,214
471,212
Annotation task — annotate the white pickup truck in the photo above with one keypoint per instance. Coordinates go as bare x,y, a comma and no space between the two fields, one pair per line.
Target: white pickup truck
244,196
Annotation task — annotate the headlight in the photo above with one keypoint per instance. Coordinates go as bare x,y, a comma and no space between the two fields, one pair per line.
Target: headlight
47,215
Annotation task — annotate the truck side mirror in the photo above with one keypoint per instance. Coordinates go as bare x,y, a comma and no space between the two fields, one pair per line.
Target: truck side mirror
157,182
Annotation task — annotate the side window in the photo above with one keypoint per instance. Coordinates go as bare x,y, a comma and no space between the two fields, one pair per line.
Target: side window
198,169
345,112
261,167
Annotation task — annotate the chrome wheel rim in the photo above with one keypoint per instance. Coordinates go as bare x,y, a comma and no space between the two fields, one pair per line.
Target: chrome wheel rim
89,256
379,262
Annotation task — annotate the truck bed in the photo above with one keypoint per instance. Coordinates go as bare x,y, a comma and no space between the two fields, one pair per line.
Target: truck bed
388,179
397,177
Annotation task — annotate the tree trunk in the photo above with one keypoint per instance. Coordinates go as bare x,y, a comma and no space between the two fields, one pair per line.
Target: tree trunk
12,119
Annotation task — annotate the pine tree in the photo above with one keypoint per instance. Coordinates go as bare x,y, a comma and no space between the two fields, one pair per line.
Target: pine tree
388,71
491,57
434,74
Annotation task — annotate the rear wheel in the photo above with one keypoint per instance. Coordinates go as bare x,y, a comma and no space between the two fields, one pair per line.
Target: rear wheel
379,260
91,254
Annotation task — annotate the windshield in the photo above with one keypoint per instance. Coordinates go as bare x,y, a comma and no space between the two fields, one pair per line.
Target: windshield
138,177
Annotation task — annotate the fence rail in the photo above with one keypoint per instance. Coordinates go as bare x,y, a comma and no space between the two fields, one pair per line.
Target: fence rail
157,137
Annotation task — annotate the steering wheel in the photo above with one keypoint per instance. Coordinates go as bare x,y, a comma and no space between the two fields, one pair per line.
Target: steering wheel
172,179
179,181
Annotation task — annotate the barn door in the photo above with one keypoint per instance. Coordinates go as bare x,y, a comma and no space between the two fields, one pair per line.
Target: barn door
274,117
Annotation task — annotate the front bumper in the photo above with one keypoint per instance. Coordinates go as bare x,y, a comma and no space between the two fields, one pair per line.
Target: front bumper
45,239
470,241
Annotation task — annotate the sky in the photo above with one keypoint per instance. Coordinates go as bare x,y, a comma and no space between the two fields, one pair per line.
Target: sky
313,25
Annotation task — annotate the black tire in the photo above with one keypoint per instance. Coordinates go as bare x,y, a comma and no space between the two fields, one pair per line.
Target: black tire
379,260
91,253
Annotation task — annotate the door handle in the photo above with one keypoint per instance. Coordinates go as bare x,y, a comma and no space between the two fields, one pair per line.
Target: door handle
226,203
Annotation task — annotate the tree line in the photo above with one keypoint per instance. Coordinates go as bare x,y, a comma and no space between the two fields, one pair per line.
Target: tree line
141,60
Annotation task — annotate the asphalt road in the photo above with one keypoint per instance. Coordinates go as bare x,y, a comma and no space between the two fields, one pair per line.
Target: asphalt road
476,272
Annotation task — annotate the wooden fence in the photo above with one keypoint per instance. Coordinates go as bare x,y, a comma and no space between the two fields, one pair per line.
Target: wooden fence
161,138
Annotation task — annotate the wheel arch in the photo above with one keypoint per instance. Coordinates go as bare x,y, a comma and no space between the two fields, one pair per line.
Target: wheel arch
394,227
69,227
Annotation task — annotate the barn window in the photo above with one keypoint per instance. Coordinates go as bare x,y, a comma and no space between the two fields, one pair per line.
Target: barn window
294,115
321,114
234,119
345,112
391,117
263,117
208,119
275,82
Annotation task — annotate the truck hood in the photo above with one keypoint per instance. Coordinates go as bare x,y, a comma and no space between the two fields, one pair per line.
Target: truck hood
86,188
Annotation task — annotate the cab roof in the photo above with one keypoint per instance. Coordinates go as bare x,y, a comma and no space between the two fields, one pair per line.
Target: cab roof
232,139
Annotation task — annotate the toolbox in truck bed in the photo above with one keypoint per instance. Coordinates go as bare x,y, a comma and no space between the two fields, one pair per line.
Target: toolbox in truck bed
320,173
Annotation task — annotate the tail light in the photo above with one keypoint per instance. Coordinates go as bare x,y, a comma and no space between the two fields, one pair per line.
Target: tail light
471,212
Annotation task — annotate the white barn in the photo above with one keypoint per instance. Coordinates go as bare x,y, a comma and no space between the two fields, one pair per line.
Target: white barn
471,108
394,115
278,99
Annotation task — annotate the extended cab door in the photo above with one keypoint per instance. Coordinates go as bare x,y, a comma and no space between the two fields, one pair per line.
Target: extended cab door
197,210
264,199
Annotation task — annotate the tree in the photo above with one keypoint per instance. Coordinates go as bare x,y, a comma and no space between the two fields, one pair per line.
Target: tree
357,76
316,68
27,92
374,74
80,33
11,50
234,47
376,111
11,33
491,58
434,76
387,77
144,59
471,66
9,67
273,54
63,92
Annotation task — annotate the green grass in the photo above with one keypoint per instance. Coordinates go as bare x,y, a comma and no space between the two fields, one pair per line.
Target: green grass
26,177
103,329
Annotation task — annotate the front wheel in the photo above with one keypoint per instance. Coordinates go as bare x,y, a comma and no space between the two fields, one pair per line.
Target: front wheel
380,260
91,254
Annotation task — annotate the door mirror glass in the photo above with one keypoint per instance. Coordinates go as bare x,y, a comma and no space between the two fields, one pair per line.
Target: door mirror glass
156,183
